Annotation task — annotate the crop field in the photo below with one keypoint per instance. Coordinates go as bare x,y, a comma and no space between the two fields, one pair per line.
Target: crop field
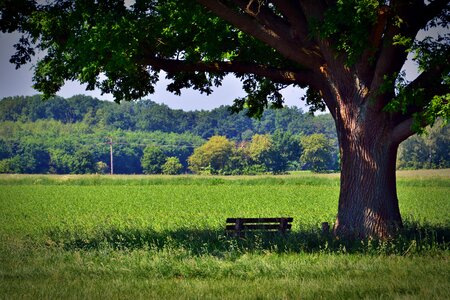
145,237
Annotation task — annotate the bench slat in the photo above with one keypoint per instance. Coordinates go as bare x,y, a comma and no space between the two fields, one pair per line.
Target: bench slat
259,227
259,220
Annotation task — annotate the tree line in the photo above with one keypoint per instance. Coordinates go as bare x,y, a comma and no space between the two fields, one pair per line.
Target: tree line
146,115
75,135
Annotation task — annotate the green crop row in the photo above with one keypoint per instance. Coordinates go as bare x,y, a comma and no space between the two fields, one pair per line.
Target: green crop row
93,213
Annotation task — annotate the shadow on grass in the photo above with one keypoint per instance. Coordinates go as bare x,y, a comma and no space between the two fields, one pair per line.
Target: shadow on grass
413,239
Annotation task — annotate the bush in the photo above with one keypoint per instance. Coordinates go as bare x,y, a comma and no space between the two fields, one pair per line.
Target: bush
101,167
172,166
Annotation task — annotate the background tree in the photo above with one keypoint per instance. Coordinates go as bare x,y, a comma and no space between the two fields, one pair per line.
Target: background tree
213,156
348,53
5,149
127,159
239,162
317,153
134,116
429,150
260,151
82,162
172,166
10,165
60,139
60,161
437,141
153,160
285,151
34,157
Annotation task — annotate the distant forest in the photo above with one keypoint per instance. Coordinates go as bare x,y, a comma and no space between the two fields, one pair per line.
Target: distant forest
76,136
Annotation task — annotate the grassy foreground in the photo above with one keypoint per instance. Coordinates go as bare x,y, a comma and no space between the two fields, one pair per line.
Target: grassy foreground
162,237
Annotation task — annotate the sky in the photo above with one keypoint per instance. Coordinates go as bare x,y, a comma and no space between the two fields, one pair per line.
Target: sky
19,83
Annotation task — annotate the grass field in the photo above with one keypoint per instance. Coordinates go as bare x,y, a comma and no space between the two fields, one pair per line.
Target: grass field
126,237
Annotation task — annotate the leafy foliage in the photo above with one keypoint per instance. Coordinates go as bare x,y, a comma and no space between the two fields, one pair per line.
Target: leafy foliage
212,157
172,166
82,162
427,151
259,150
317,153
349,24
153,160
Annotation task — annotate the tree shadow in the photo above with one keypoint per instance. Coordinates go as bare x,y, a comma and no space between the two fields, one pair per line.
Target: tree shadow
414,238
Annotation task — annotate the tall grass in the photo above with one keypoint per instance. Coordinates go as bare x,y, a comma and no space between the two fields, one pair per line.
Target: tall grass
404,178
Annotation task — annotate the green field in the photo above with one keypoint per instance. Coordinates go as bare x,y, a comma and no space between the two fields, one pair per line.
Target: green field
163,237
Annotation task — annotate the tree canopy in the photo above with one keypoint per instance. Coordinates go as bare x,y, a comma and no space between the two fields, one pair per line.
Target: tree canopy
267,44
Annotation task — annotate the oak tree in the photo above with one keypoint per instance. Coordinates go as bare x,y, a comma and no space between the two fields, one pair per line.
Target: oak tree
347,53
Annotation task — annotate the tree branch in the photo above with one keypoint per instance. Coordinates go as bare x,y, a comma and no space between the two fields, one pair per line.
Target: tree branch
266,17
270,35
427,85
314,10
365,67
389,62
406,19
329,100
402,131
300,77
430,79
292,11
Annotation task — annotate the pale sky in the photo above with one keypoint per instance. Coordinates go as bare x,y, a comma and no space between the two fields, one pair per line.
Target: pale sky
19,82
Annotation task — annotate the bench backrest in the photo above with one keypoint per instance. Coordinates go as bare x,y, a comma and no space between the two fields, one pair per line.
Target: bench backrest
241,224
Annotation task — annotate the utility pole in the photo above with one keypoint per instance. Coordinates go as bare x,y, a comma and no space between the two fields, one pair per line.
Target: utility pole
111,156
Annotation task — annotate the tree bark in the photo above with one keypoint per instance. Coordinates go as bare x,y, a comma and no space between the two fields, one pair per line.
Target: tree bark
368,203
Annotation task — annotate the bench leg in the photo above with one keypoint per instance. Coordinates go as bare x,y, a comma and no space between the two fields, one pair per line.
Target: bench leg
283,226
238,227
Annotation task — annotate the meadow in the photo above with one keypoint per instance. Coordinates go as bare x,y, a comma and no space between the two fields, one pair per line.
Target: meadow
127,237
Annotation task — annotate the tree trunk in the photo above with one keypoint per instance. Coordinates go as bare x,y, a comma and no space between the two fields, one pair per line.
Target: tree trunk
368,203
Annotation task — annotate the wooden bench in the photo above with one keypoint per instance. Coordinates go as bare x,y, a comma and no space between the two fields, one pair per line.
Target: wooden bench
239,225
